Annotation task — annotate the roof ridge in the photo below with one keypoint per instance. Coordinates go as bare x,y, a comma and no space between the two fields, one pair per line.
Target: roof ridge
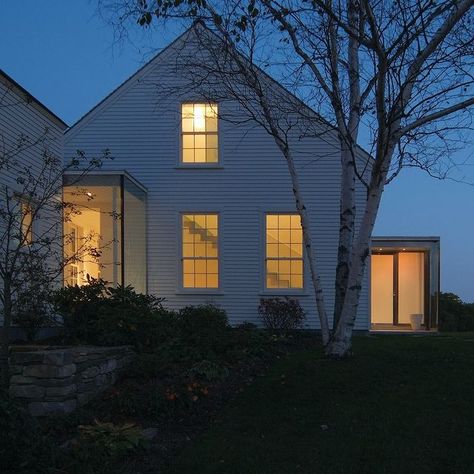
7,78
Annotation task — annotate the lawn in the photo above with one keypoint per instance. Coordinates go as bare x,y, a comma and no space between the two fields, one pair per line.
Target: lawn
403,404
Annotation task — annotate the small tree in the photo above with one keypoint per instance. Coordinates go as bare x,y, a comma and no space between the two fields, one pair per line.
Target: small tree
31,223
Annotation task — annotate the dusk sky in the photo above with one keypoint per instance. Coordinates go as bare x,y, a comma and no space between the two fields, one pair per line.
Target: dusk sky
65,56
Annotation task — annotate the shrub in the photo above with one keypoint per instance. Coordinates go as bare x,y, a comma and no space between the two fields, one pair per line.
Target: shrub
100,442
208,370
32,289
205,327
246,326
98,314
78,306
127,317
33,313
22,446
281,313
454,314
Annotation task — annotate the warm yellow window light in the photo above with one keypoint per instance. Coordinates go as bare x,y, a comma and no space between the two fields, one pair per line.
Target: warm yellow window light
284,251
200,257
26,223
199,133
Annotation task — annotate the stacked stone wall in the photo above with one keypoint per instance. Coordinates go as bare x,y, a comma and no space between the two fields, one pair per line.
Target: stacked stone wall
58,380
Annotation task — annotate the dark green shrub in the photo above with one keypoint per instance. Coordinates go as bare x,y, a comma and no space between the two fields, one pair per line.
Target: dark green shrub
281,314
32,310
78,306
205,327
454,314
159,362
101,443
98,314
127,317
246,326
23,448
208,370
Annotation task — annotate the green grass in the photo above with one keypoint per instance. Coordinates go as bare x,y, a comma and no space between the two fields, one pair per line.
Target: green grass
403,404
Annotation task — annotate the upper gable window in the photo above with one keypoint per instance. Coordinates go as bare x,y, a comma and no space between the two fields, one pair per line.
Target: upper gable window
199,133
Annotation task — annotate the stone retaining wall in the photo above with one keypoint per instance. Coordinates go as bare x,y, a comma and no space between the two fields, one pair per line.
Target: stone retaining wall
58,380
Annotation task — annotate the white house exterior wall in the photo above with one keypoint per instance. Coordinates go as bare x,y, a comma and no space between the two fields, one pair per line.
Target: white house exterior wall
142,130
24,121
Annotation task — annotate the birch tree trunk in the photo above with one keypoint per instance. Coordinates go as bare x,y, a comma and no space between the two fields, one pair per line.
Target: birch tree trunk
341,341
346,231
263,97
308,245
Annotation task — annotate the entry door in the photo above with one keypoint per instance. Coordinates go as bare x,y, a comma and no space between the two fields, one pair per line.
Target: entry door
382,289
397,287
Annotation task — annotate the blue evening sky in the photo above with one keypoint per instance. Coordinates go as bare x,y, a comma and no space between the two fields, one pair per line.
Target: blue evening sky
65,55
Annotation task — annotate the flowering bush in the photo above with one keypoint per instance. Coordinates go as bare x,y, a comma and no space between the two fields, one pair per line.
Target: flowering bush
281,313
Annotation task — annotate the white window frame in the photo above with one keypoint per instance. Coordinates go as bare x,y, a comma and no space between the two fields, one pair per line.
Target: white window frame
200,165
277,291
203,291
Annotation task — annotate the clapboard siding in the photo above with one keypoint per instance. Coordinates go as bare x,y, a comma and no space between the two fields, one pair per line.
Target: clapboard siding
23,120
141,127
27,129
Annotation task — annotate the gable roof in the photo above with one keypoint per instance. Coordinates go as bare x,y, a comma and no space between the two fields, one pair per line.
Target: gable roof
10,83
144,69
126,84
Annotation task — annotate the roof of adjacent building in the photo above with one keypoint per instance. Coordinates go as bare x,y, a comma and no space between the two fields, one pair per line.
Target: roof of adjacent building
9,82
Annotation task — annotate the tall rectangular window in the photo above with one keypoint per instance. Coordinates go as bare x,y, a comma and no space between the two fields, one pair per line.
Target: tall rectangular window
199,133
284,251
200,258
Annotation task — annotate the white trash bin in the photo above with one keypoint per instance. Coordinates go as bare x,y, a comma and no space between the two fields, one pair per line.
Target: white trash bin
416,320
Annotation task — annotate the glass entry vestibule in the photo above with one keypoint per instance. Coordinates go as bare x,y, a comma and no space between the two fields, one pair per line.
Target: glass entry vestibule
105,229
404,283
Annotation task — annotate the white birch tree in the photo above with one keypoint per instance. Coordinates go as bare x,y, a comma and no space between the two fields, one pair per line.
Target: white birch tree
395,76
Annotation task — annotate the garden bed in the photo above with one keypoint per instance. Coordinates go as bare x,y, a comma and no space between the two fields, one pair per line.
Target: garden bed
163,398
181,407
188,364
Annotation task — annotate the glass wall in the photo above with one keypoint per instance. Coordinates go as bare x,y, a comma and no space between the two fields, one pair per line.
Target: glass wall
404,280
104,230
134,238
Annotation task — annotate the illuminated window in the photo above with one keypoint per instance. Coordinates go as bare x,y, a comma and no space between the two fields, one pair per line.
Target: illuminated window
284,251
73,277
199,133
26,223
200,251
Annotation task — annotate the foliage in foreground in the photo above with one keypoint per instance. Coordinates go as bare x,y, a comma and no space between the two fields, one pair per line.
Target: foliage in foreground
105,315
23,448
184,359
107,440
29,445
